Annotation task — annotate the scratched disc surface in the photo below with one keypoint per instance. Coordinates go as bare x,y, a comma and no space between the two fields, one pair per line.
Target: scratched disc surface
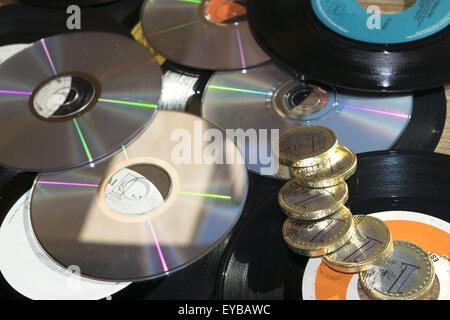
71,99
144,212
204,34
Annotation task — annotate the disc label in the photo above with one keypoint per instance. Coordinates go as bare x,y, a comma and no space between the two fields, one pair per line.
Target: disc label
350,19
431,233
31,272
130,193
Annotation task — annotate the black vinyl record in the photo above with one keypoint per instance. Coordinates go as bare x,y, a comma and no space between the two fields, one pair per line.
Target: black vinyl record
258,264
197,281
297,36
427,121
66,3
24,24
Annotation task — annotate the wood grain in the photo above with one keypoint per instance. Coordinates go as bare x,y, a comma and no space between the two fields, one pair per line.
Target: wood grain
388,6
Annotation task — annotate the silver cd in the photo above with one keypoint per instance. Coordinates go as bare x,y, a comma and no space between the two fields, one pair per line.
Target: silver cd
205,34
269,99
151,209
69,100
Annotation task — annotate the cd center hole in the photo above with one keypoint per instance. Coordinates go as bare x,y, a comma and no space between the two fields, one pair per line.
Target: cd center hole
63,96
304,100
226,12
388,6
71,96
137,190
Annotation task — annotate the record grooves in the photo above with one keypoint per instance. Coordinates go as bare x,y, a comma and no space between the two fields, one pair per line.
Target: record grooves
364,122
291,32
427,122
384,181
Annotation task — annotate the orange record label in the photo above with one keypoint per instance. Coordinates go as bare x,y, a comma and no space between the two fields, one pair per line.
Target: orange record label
221,11
430,233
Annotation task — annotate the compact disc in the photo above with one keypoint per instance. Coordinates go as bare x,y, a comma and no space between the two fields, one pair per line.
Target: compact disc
340,42
179,84
268,99
94,216
387,185
8,51
32,273
204,34
71,99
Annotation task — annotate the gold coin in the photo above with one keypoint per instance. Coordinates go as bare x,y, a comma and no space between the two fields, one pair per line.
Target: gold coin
433,293
370,245
304,203
306,145
316,238
405,275
335,169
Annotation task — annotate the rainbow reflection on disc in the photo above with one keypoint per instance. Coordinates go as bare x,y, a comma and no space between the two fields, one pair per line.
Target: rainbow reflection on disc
267,98
69,100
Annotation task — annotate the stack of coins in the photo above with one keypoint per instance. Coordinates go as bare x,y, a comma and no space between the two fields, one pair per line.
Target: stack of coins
319,225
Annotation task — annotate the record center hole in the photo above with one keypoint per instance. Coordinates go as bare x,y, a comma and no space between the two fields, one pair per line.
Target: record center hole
137,190
63,96
225,12
388,6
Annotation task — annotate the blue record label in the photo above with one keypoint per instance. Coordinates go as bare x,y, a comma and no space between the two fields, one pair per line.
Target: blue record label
350,19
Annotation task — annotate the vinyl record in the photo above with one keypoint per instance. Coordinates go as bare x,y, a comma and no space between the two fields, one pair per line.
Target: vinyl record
342,43
409,191
197,281
22,24
267,98
69,100
207,34
66,3
154,208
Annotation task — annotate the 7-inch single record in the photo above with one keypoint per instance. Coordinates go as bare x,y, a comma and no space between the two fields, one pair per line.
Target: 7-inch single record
24,24
204,34
71,99
267,98
160,204
341,42
408,190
